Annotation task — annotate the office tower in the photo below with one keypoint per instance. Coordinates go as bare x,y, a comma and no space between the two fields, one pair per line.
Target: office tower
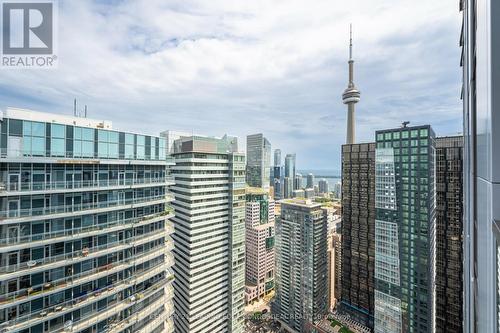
351,96
85,227
449,228
481,78
287,187
277,157
209,235
259,225
310,181
278,189
323,186
290,166
405,237
258,161
297,184
298,194
358,232
301,265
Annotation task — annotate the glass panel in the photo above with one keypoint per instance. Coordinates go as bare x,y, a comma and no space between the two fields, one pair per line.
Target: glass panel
102,135
57,147
57,131
129,139
27,128
38,146
37,129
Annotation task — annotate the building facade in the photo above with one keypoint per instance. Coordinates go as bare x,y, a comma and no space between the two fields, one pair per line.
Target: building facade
449,229
209,235
297,183
334,270
290,165
358,232
85,243
258,161
480,59
287,187
323,186
259,224
405,235
301,264
310,181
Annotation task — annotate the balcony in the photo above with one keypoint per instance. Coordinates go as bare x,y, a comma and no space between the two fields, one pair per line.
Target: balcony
83,301
84,208
16,154
80,186
80,255
76,279
58,236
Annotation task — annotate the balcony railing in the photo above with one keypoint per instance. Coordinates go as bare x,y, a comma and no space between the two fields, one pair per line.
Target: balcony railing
5,240
73,279
5,153
78,302
33,212
85,252
81,184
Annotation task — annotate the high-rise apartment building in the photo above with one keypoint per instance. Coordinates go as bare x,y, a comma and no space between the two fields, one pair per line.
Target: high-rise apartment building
334,269
258,161
85,243
449,229
358,232
310,181
290,166
480,59
259,224
209,235
170,137
301,264
405,236
323,186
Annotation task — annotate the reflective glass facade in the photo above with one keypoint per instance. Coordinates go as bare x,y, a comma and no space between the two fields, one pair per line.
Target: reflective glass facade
405,230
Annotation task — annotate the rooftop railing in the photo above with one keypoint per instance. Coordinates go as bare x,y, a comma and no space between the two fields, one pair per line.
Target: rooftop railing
18,153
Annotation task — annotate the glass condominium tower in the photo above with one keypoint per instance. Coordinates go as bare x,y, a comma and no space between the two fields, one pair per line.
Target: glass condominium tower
84,232
209,235
405,230
301,264
480,61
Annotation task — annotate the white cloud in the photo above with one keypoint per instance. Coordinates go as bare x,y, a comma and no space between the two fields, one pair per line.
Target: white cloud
277,67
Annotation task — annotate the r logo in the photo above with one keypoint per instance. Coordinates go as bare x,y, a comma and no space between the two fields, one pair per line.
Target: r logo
27,28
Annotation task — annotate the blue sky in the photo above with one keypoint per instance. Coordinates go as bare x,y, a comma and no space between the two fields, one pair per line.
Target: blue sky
243,67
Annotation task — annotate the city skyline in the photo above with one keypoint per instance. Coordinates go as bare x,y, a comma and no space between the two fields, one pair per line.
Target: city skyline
196,73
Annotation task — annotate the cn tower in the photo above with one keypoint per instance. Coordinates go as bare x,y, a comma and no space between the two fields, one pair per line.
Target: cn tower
351,96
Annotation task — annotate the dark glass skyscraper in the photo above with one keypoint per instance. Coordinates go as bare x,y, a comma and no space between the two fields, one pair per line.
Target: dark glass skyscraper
449,229
405,238
358,231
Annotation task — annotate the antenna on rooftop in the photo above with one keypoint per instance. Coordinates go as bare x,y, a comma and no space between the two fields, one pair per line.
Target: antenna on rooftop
85,116
74,107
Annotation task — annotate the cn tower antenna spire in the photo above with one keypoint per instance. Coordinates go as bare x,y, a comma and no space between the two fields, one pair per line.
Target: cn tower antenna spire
350,41
351,96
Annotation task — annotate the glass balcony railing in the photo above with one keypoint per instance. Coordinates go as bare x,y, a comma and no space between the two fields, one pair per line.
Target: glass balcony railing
84,184
73,279
34,212
82,300
83,253
5,240
5,152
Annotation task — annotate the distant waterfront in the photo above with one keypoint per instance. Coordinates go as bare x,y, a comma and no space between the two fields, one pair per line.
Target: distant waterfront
335,177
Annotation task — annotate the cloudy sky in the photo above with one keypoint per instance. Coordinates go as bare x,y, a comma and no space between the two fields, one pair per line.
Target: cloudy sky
243,67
